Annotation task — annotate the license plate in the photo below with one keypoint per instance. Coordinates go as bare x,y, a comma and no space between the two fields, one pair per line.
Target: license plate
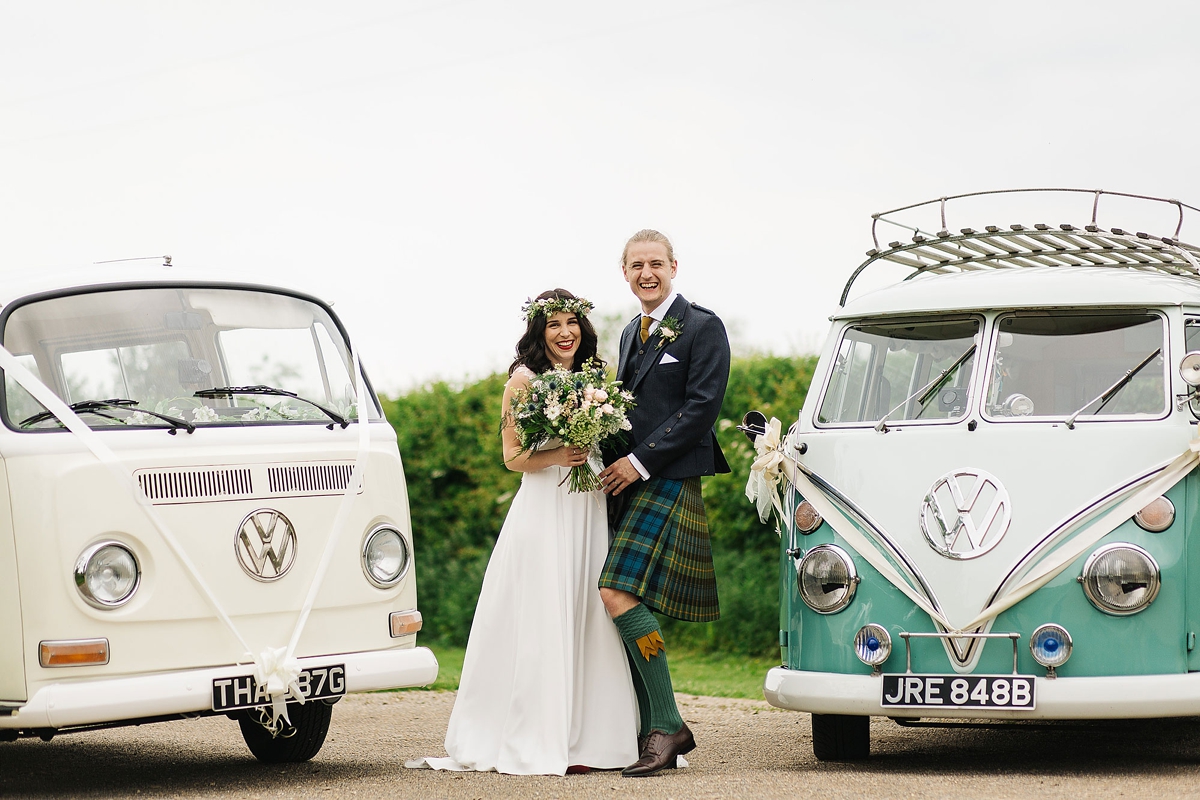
242,691
996,692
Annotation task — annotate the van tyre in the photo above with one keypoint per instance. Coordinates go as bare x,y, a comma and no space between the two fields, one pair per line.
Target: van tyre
838,737
311,722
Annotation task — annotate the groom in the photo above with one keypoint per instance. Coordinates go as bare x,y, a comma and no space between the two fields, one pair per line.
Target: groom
675,360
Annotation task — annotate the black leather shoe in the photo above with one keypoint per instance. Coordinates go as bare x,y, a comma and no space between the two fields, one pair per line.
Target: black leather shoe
660,751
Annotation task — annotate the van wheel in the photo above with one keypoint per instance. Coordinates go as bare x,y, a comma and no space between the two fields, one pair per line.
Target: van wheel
838,737
310,723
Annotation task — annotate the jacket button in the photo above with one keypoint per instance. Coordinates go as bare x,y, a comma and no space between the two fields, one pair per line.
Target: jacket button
680,415
641,352
668,430
652,444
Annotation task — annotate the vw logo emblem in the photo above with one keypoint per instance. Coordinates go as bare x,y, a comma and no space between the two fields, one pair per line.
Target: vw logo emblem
265,544
966,513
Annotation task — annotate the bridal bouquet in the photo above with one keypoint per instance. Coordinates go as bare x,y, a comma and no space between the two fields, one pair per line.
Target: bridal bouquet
581,409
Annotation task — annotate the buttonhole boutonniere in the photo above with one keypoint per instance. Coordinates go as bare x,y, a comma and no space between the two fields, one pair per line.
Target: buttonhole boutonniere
668,331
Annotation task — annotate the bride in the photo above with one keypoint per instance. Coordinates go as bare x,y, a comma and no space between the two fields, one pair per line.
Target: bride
545,686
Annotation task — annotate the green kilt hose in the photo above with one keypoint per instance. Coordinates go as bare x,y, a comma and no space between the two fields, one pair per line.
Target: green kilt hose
661,552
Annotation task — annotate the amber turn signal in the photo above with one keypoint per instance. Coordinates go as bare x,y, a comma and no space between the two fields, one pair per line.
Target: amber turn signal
1157,516
73,652
404,623
807,517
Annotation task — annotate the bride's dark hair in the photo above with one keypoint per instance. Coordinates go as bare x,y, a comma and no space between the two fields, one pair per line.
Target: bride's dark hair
531,348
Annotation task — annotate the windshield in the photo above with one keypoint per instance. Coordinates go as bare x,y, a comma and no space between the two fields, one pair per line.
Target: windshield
158,347
888,369
1053,365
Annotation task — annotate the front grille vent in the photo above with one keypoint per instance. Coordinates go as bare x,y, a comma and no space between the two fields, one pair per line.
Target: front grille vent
309,479
196,484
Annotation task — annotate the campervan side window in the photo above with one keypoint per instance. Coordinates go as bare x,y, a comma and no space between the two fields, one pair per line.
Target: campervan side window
1191,334
888,369
1054,364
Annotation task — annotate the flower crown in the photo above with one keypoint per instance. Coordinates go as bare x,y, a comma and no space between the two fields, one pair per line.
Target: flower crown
552,305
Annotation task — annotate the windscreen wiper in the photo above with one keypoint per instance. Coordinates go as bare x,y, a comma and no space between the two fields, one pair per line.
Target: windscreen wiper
97,407
1111,391
230,391
928,390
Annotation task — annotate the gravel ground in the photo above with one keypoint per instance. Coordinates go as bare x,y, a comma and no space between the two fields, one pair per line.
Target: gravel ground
746,749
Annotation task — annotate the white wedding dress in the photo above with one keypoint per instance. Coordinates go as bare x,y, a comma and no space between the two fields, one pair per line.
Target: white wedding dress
545,683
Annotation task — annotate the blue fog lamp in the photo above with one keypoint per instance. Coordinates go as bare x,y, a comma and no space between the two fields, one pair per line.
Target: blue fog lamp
872,645
1050,646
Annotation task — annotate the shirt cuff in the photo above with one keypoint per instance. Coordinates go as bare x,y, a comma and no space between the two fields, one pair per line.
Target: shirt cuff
638,466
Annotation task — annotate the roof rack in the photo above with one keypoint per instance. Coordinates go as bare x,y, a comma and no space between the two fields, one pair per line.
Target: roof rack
1037,246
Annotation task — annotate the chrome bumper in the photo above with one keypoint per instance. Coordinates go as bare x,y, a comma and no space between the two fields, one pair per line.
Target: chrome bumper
1122,697
88,702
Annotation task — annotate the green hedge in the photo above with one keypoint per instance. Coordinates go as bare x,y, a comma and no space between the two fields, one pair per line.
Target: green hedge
459,492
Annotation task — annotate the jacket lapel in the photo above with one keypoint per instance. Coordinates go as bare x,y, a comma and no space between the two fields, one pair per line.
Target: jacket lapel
626,356
678,310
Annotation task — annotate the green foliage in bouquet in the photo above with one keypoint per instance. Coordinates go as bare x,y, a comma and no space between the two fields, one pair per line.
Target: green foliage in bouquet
579,409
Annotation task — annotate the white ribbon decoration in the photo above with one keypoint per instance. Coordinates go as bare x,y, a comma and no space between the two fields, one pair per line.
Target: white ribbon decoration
276,668
1065,555
280,675
30,383
858,542
773,463
762,487
279,665
1043,573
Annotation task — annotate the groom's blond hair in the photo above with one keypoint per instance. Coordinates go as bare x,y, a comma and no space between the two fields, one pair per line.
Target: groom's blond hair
648,235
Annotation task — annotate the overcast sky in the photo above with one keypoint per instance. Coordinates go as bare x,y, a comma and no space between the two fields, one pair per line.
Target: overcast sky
428,165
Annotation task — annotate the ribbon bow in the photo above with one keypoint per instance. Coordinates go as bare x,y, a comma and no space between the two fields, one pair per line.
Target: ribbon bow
762,488
280,674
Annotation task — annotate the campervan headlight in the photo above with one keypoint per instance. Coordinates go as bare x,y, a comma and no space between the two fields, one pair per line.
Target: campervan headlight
385,556
1120,579
107,575
826,578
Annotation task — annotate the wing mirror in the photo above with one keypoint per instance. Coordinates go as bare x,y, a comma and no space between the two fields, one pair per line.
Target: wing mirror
1189,368
754,424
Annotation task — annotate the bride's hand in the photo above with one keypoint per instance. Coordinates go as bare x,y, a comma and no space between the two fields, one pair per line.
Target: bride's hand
570,456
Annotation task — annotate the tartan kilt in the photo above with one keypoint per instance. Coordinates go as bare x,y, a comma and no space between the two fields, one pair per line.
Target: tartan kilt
661,552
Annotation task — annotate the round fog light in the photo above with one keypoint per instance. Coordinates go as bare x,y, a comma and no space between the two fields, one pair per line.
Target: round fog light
1120,579
385,556
826,578
1157,516
107,575
872,644
1050,646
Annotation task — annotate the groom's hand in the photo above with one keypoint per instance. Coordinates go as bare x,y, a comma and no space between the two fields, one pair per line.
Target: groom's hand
618,476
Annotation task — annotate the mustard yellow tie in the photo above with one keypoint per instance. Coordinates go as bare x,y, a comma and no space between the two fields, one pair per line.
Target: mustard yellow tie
646,323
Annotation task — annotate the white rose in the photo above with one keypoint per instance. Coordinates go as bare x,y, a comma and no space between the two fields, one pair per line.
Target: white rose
601,395
607,409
